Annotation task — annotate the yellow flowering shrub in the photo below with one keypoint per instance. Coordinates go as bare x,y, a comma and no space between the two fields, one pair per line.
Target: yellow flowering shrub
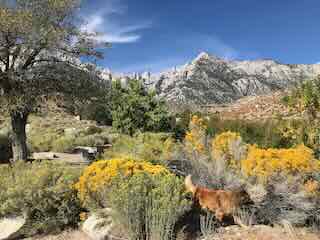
195,137
97,177
263,163
229,147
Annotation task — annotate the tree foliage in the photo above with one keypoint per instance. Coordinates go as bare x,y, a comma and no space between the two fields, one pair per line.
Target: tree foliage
135,109
306,97
41,44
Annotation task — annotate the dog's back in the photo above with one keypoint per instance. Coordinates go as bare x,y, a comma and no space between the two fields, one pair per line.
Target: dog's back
220,202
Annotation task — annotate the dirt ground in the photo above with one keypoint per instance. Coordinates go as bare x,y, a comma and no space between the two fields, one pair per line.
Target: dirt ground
258,232
261,232
68,235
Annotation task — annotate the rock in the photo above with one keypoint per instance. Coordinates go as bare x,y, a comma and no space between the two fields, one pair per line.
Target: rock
28,127
88,153
44,156
10,227
99,225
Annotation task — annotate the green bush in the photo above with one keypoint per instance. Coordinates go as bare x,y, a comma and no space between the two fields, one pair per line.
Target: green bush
152,147
265,134
97,111
67,143
135,109
53,138
42,192
149,206
63,144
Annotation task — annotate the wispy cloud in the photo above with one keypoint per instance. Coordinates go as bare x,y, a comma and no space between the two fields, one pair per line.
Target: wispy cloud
154,65
105,23
216,46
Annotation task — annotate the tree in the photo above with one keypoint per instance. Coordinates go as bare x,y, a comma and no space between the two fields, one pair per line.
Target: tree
135,109
40,47
306,97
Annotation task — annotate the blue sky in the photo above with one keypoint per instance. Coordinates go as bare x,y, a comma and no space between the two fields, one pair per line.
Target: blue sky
154,35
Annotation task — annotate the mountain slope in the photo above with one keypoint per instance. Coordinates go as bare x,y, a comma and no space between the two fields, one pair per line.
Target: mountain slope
210,80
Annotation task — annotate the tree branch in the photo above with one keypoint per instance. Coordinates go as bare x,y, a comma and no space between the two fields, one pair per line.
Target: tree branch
31,58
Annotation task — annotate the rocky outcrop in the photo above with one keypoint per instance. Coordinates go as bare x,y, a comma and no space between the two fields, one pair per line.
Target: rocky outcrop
211,80
99,225
10,228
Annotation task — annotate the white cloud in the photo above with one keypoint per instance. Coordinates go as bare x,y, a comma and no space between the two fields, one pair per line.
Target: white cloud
216,46
109,29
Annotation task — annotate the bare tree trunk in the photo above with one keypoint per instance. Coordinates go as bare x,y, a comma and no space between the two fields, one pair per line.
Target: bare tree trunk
19,138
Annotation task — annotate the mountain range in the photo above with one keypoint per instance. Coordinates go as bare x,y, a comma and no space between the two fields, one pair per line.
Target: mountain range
212,80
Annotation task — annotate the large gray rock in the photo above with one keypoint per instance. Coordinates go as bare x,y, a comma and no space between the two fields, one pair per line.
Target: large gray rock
10,227
99,225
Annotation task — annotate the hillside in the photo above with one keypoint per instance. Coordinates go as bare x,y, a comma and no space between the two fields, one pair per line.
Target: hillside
254,108
212,80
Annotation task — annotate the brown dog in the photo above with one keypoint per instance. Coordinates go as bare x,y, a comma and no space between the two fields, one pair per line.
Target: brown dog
220,202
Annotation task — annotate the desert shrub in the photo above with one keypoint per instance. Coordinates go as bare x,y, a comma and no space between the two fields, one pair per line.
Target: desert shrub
282,182
263,163
152,147
93,185
63,144
42,192
228,149
212,170
149,205
287,199
62,134
302,132
42,142
91,130
58,142
195,138
208,224
265,134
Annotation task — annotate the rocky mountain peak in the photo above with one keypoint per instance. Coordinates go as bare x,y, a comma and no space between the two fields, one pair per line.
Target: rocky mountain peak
205,57
202,56
210,80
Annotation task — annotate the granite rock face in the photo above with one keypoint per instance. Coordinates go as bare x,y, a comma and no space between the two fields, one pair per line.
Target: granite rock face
212,80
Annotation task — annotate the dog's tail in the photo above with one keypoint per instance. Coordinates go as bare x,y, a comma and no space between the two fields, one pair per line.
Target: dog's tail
189,185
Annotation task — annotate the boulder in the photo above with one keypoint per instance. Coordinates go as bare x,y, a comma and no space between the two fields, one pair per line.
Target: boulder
99,225
28,128
10,228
